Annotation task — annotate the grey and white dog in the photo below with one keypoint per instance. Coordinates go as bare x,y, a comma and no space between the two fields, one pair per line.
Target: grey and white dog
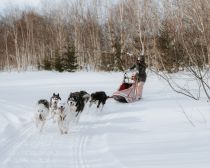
41,114
53,105
63,117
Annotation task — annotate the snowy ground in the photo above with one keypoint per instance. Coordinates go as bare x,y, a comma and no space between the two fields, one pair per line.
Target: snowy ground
151,133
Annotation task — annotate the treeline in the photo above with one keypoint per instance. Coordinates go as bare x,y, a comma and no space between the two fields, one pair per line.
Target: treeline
106,35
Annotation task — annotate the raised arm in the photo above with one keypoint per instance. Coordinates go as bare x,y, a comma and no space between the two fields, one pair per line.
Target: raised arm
134,66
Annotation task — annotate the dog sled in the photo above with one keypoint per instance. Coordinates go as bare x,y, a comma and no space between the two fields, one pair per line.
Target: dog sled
127,92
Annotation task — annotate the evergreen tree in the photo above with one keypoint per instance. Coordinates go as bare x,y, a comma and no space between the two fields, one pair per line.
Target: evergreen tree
172,52
69,59
57,62
47,64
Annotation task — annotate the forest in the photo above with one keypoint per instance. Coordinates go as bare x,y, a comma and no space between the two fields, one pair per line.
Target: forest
106,35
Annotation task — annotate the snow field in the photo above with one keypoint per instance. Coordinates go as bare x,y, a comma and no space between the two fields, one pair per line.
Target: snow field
163,130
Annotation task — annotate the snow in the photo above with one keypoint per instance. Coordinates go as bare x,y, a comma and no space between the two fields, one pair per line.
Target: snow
163,130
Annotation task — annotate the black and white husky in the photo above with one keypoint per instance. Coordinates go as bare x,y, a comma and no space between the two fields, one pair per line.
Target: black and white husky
63,117
41,113
53,105
76,102
99,98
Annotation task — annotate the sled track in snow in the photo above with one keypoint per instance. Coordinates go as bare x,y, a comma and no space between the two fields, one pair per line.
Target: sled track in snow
13,143
80,160
71,150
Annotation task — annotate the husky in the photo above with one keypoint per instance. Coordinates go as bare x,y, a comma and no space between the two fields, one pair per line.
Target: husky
98,98
53,105
76,102
41,113
63,117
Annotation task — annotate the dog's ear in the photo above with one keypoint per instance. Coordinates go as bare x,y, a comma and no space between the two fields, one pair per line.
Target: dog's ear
58,96
53,94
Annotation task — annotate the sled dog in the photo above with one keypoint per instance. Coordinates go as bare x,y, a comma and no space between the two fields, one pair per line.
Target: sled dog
63,117
76,102
53,105
98,98
41,113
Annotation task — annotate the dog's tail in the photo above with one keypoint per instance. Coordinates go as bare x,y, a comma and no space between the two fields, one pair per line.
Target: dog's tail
86,97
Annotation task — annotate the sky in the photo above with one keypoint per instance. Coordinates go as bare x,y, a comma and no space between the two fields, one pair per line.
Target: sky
29,4
20,3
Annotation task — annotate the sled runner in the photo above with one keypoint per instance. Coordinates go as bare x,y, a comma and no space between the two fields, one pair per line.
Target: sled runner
127,90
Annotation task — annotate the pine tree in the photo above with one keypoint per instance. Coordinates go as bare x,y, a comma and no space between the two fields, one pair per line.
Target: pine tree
69,59
47,64
172,52
57,62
